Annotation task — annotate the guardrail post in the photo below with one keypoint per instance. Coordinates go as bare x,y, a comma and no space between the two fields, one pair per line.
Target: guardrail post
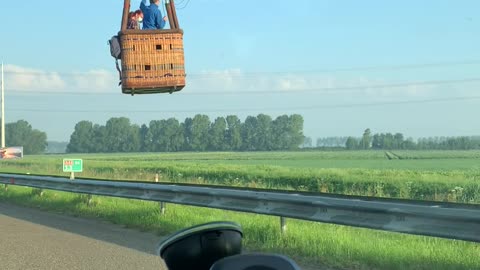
283,224
38,191
89,199
163,205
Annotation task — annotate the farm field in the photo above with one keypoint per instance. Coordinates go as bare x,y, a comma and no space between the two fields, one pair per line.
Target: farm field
430,175
410,160
413,160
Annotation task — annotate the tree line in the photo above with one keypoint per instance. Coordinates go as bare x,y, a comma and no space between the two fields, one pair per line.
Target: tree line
21,133
256,133
397,141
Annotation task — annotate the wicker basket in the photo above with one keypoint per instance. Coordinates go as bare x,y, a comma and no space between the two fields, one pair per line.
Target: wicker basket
152,61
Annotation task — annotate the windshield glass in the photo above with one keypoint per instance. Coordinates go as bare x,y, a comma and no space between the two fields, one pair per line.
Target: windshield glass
373,102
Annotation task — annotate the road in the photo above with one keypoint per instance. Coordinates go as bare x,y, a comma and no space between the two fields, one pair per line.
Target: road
33,239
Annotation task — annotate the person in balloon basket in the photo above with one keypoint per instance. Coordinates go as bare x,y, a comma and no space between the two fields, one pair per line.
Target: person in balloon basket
152,16
135,20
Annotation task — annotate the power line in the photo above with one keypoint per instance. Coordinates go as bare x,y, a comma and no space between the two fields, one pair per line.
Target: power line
312,107
261,73
325,90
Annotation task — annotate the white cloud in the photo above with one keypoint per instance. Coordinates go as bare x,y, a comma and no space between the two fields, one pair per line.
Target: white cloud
95,80
24,79
220,80
234,80
28,79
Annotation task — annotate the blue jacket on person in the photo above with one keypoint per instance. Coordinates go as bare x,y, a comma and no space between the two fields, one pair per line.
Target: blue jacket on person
152,16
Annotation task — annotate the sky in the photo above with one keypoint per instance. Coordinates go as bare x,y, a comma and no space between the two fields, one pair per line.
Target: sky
410,66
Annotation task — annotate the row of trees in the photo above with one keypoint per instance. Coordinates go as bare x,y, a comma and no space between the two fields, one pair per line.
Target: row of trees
390,141
256,133
21,133
449,143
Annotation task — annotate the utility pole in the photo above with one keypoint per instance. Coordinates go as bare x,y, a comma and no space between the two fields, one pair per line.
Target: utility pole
3,110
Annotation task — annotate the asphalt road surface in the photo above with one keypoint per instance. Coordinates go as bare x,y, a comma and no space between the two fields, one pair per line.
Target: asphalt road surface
34,239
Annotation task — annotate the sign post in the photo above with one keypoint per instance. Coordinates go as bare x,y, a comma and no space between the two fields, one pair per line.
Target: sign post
72,166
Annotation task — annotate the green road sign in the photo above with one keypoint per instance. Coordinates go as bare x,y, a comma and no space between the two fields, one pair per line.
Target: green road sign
72,165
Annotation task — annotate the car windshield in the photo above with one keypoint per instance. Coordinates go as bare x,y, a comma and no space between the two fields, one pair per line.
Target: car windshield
340,134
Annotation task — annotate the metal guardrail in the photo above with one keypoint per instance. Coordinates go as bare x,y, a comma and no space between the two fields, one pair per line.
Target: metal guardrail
455,221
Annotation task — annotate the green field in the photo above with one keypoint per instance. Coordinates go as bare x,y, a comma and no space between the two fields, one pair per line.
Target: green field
425,175
430,175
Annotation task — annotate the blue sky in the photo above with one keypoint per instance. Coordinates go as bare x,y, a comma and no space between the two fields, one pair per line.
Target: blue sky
247,58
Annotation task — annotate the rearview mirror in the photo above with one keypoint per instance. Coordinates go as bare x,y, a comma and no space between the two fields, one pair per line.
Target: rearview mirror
199,247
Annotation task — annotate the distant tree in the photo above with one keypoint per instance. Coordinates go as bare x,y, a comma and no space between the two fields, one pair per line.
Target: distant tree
99,139
287,132
82,138
249,134
409,144
448,143
154,135
263,134
398,141
296,131
216,136
332,142
121,136
307,142
388,141
187,127
165,136
233,135
457,143
377,141
321,142
145,139
175,132
366,139
21,133
280,136
476,142
351,143
36,143
199,132
420,144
